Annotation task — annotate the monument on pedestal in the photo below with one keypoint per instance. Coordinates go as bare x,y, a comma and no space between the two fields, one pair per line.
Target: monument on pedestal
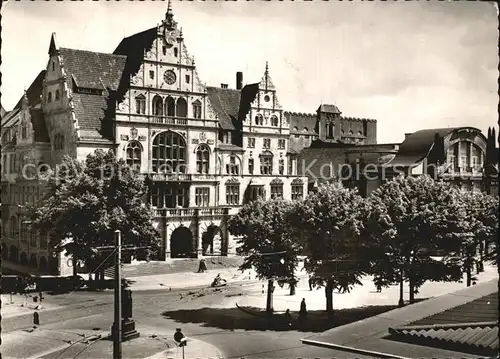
128,323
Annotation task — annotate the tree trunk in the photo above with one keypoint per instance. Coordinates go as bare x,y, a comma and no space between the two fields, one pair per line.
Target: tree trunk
412,291
75,262
480,267
270,290
329,298
401,287
468,272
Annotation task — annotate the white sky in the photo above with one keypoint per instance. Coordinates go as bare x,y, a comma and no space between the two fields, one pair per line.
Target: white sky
410,65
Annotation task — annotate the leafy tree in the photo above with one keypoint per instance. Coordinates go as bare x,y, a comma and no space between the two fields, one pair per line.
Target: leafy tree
409,218
478,225
330,222
266,241
85,202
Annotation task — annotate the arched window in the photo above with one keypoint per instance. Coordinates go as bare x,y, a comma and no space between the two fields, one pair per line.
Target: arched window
181,107
330,129
274,121
259,120
169,153
57,95
266,163
49,97
233,168
134,155
140,104
202,159
13,227
170,106
157,106
296,130
197,109
297,189
306,132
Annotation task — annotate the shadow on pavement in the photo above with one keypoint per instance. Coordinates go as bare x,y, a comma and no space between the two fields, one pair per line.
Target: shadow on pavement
256,319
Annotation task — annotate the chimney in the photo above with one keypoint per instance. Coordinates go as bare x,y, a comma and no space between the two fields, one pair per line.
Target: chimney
223,86
239,80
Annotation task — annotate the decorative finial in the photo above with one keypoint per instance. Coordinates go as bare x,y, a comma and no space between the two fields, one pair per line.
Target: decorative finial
169,8
267,68
180,34
193,60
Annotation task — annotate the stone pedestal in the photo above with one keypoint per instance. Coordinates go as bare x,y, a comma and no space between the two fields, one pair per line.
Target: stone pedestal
128,330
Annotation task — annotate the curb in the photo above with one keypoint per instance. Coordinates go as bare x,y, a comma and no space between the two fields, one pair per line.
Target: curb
351,349
218,354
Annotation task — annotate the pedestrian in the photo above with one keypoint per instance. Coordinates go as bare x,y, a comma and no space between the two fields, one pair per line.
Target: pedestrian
288,317
36,319
310,283
379,288
302,314
40,296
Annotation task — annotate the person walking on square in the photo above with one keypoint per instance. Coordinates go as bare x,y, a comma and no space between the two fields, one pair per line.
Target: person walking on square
302,314
310,283
288,317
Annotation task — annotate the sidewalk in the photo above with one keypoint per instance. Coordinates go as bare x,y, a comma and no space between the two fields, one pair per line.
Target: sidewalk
21,305
365,295
153,343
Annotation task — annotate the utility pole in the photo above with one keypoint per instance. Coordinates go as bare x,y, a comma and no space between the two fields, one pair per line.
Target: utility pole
117,335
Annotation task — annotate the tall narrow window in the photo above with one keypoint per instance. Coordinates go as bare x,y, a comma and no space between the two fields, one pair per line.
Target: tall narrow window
274,121
202,196
176,51
297,189
251,142
24,130
330,129
188,79
157,106
49,97
296,132
250,166
281,144
134,155
140,104
197,109
202,159
259,120
181,107
267,143
281,167
57,95
276,188
170,106
232,167
232,193
266,163
13,227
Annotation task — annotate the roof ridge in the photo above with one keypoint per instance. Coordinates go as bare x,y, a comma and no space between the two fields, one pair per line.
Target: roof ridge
93,52
139,33
300,113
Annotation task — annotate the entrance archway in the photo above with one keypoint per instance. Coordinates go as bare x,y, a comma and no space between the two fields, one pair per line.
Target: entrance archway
43,264
24,258
5,251
212,241
33,261
181,243
13,254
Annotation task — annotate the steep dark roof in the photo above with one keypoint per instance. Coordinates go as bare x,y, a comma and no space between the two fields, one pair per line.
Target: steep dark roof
248,95
226,104
134,47
92,70
39,126
34,91
301,121
2,111
329,109
417,145
98,71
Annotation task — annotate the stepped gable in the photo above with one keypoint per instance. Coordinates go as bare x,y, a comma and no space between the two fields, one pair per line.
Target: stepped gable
93,78
301,120
226,104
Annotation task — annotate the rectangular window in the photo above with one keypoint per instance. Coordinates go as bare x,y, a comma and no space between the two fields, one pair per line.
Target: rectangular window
155,196
233,194
151,74
140,105
297,191
250,166
281,144
232,167
277,190
202,196
188,79
251,142
267,143
164,49
281,167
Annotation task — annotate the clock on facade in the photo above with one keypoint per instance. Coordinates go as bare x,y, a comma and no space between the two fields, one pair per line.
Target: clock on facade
169,77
